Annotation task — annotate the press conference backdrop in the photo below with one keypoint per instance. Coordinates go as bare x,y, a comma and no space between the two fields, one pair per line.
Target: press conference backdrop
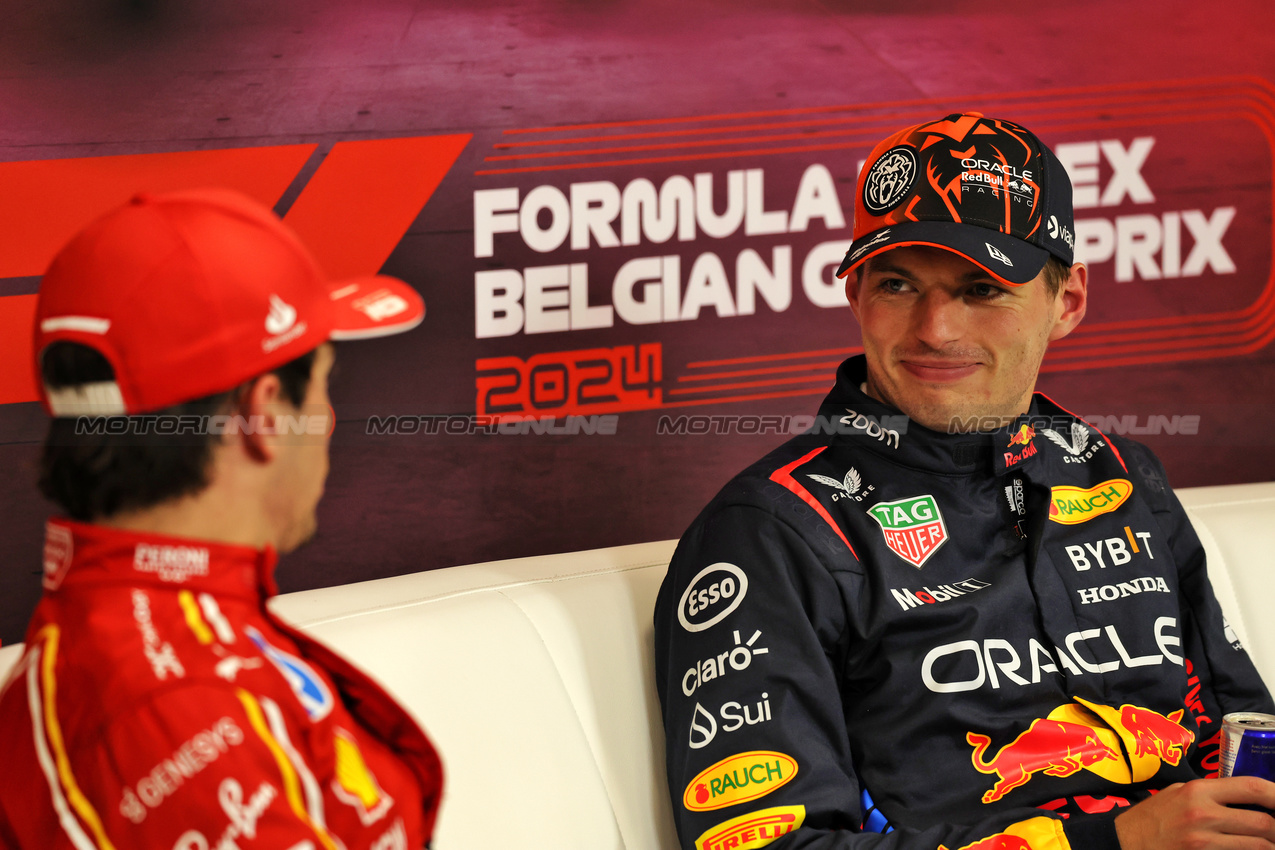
624,218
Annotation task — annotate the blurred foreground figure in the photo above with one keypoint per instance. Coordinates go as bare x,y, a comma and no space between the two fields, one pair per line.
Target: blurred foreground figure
952,614
183,349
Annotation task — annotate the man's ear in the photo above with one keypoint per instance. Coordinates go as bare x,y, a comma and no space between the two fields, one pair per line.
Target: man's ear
258,406
1071,303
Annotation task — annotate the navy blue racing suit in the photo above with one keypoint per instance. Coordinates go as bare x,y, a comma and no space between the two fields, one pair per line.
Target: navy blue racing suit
884,636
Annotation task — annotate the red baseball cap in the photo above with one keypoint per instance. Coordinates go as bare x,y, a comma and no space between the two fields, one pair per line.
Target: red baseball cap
983,188
191,293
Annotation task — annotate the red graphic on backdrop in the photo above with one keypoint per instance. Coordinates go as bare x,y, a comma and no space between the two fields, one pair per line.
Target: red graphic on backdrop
571,383
351,214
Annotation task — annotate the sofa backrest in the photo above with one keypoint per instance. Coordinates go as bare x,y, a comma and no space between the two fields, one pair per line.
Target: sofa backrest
534,676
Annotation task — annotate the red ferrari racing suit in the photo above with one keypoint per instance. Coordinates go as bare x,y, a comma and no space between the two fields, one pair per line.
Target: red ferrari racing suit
159,704
881,636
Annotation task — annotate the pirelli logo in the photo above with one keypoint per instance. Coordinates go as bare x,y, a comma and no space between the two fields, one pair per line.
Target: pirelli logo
755,829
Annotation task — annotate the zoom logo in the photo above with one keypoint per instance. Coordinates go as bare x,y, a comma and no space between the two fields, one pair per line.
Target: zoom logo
711,596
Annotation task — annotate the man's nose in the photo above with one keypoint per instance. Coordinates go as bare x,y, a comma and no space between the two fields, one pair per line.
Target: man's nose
939,319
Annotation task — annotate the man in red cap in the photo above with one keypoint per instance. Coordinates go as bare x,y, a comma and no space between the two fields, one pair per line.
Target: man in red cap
953,614
183,345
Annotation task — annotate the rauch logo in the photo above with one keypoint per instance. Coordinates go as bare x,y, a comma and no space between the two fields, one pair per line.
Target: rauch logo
913,527
739,779
711,596
1074,505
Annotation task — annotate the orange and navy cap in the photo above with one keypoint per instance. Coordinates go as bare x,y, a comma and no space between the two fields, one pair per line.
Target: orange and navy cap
188,294
986,189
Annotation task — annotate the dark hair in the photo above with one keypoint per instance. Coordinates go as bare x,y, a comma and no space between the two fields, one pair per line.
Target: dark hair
1056,273
94,467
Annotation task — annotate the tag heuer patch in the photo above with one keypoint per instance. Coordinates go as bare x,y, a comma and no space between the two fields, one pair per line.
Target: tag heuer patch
913,527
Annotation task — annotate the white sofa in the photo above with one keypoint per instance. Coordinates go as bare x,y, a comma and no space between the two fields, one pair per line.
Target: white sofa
533,676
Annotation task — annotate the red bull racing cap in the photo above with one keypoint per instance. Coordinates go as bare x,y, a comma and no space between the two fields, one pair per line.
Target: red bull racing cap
192,293
986,189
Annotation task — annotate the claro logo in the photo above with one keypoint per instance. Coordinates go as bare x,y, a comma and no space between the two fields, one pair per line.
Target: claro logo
711,596
1074,505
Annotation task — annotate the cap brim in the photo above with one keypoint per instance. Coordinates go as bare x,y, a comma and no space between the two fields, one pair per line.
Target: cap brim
370,307
1006,258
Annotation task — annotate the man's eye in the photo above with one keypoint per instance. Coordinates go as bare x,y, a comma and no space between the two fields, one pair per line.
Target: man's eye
892,284
985,290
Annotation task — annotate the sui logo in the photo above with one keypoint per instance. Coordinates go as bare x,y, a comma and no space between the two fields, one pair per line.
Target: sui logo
312,692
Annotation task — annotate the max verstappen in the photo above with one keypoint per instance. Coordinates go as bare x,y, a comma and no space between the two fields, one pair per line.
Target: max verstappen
159,703
953,614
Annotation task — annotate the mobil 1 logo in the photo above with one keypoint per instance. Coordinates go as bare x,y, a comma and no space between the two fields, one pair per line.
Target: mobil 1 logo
711,596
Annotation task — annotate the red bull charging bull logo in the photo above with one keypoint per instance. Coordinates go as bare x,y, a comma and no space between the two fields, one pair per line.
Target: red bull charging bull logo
1054,747
1032,834
1022,437
1156,735
1122,745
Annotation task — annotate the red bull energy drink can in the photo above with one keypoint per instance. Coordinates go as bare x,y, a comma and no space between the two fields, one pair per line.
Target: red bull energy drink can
1248,745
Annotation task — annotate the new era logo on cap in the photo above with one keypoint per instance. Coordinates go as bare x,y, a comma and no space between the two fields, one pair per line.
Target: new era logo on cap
984,188
997,255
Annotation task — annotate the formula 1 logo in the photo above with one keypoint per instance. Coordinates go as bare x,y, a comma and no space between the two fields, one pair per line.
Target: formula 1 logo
913,527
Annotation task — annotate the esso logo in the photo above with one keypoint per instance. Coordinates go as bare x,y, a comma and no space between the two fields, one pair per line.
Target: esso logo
711,596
